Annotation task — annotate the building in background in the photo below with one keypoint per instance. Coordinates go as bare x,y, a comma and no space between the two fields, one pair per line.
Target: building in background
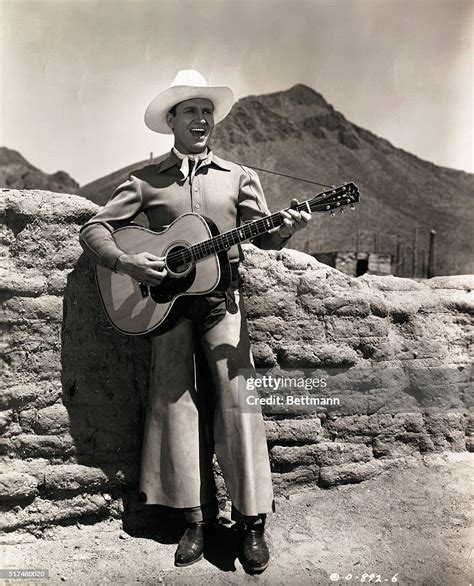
356,264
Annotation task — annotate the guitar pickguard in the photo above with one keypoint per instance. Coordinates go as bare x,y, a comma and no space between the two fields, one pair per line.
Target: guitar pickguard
170,287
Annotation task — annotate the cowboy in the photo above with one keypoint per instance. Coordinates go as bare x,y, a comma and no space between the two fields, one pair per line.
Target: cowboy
181,431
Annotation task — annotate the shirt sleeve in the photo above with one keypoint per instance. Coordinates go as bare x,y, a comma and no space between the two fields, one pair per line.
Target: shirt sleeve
253,206
96,235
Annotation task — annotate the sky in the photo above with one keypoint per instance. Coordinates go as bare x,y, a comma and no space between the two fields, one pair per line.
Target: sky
77,75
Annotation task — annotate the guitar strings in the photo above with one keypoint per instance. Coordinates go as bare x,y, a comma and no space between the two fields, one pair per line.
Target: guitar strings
208,247
221,242
226,239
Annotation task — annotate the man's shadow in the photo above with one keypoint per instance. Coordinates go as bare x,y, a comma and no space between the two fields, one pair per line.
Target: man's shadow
222,545
105,378
104,387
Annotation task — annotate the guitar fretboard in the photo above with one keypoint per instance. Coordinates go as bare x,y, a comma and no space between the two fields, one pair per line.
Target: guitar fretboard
338,197
241,234
244,232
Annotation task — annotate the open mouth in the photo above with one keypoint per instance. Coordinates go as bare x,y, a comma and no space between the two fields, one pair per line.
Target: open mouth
198,132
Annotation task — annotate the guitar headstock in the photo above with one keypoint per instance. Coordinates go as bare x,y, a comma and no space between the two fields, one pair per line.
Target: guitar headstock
335,198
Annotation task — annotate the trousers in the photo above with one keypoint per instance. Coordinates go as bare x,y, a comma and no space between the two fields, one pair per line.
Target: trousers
190,417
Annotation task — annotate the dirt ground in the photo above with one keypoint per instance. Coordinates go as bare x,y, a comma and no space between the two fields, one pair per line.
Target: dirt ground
410,525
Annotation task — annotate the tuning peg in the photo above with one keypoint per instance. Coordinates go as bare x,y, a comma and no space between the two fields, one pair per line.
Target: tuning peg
353,207
333,213
341,211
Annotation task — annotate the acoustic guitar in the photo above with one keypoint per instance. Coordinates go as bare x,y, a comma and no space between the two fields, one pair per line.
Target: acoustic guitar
195,259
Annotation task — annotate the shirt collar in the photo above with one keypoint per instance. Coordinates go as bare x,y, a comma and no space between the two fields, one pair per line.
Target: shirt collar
192,162
196,158
172,160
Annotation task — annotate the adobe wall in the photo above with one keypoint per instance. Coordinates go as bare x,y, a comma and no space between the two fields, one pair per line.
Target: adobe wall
72,405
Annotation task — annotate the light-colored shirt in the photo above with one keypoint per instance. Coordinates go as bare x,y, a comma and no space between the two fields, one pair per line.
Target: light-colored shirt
227,193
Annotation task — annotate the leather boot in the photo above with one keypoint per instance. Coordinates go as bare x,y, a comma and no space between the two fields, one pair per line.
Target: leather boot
255,555
191,546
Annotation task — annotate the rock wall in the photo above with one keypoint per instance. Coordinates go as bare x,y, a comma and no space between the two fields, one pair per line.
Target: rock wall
72,405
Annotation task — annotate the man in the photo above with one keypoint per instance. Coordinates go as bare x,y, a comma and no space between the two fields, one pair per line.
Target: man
181,432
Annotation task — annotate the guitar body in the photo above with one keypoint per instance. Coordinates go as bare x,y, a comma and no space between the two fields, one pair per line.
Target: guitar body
134,308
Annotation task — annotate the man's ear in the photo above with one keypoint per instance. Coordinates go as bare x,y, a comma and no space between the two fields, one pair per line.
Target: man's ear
170,120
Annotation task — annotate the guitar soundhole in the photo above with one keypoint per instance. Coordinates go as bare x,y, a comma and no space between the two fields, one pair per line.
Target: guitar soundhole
180,277
178,261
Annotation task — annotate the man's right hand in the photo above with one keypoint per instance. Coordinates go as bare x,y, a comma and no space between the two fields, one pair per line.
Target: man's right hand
143,267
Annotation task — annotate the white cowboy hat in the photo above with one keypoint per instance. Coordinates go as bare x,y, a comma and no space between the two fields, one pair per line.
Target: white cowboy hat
187,84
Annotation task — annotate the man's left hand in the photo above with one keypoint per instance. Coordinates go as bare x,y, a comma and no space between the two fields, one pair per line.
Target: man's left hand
293,221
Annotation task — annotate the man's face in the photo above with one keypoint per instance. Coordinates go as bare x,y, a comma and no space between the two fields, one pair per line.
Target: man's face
192,125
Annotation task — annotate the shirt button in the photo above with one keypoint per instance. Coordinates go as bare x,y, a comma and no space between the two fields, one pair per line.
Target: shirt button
196,189
197,206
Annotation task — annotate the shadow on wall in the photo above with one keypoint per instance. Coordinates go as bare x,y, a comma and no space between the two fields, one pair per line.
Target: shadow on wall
105,384
104,380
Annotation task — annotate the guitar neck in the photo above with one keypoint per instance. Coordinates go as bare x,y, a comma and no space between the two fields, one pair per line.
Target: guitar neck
336,198
241,234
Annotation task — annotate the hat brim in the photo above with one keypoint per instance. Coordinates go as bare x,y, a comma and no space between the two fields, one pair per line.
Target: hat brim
222,98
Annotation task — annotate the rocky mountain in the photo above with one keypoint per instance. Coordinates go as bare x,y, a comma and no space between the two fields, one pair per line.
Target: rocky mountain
101,189
298,133
17,173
